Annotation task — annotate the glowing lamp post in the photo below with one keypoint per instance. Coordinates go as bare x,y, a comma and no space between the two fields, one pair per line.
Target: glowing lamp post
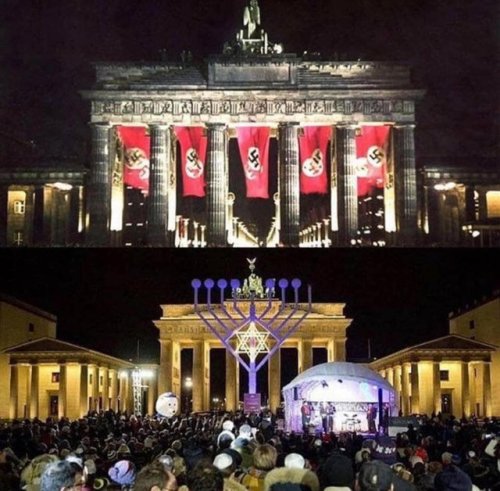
253,336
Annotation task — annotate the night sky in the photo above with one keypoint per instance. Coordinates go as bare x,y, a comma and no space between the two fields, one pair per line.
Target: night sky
107,299
47,49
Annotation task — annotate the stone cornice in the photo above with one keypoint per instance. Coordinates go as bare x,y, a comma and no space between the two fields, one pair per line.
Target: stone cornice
34,357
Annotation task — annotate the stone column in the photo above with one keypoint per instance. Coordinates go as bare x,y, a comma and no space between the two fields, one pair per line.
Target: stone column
415,389
487,389
340,349
406,184
84,389
305,355
198,376
274,375
405,389
436,386
158,185
105,388
34,390
63,387
390,375
99,187
95,388
347,184
289,186
330,351
74,215
231,382
466,406
152,394
166,366
38,221
14,391
114,388
216,169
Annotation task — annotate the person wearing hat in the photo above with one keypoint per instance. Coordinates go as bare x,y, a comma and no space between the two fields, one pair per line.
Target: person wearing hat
292,477
227,464
226,436
123,473
337,474
451,478
62,475
375,476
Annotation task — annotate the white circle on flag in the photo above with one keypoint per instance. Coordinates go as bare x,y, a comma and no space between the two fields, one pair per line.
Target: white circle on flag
253,165
361,167
313,166
375,156
193,165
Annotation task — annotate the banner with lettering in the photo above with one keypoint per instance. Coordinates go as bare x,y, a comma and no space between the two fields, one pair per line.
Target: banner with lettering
254,150
193,142
136,155
313,145
372,143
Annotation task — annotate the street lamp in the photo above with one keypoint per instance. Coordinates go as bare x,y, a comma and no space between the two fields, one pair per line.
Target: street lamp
188,385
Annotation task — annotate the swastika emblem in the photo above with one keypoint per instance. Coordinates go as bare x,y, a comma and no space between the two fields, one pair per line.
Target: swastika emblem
375,156
253,163
313,166
194,166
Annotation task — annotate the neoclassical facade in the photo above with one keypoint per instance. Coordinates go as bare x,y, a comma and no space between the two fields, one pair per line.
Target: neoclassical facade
181,328
448,375
42,376
252,84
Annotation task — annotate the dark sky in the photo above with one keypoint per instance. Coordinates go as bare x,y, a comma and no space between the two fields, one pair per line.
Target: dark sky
107,299
47,47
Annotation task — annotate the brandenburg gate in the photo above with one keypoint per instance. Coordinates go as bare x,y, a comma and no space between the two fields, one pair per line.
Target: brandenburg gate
252,85
180,328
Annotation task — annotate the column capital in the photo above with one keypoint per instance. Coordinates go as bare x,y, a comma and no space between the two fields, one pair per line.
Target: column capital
216,126
347,125
288,123
404,125
103,125
160,126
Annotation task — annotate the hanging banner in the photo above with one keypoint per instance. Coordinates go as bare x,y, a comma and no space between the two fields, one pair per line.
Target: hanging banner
372,143
136,154
193,153
313,159
254,150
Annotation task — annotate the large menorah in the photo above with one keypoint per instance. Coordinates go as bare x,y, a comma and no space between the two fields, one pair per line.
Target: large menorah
260,327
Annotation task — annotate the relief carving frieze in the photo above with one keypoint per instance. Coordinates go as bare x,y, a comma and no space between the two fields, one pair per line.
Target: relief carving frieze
236,107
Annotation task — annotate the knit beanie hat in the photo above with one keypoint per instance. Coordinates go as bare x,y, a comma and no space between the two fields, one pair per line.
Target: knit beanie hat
375,475
123,472
337,471
294,461
223,461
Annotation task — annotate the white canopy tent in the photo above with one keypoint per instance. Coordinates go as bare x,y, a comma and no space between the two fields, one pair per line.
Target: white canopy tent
349,390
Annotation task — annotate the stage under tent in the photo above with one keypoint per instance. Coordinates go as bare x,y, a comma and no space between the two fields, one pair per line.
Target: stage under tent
338,396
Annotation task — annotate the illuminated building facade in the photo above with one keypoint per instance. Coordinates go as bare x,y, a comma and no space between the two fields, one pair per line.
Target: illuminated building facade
41,376
461,206
371,193
449,375
253,86
480,322
181,328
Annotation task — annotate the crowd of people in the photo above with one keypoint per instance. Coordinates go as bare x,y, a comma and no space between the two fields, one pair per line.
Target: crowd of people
234,452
